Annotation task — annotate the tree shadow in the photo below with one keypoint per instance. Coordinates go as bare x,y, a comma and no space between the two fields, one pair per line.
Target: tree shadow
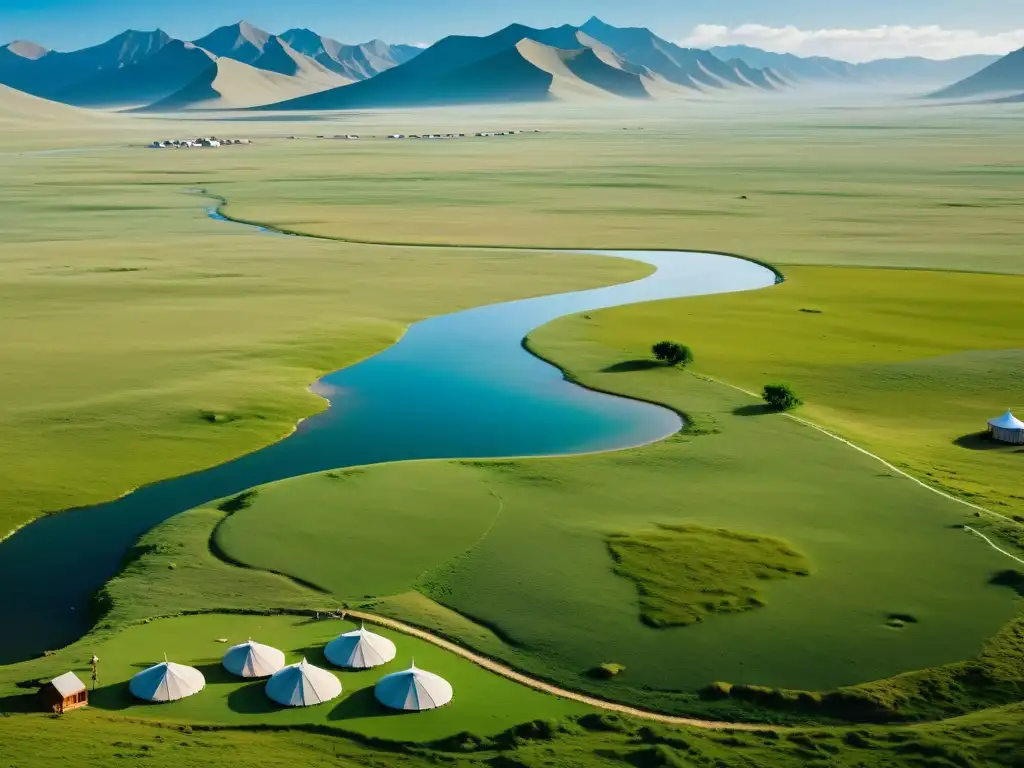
758,409
983,441
632,366
361,704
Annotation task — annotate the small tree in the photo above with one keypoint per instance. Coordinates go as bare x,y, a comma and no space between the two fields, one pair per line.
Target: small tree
673,353
780,397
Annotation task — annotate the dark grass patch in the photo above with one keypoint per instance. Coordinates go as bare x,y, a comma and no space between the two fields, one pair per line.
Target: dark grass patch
632,366
685,573
214,417
238,503
606,671
807,311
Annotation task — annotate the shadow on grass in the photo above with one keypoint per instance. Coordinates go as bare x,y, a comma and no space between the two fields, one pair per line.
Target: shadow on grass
314,654
632,366
21,703
115,698
759,409
361,704
215,674
252,700
983,441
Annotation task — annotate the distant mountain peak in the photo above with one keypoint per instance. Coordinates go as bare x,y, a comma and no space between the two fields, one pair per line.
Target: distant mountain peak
26,49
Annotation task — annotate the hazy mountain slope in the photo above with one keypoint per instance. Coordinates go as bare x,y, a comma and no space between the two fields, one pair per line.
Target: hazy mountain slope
231,84
527,70
398,85
143,82
910,69
277,56
47,73
24,110
1004,76
684,66
916,69
241,42
786,64
355,62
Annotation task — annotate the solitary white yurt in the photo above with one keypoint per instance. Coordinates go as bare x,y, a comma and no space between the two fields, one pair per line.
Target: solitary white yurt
303,685
253,660
359,650
167,681
1007,429
414,690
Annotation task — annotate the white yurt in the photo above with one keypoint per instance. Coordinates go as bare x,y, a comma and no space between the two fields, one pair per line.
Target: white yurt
1007,429
252,659
303,685
167,681
413,690
360,650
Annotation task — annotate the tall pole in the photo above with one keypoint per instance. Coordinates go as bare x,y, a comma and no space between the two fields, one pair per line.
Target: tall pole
95,661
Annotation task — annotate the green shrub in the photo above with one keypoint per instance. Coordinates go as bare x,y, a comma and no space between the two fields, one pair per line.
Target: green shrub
673,353
780,397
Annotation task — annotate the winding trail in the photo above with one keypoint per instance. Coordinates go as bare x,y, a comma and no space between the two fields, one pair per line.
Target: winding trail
891,467
539,685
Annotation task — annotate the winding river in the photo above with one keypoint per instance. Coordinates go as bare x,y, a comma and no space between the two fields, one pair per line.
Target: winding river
455,386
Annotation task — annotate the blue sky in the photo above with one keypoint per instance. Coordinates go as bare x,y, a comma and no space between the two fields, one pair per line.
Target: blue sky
67,24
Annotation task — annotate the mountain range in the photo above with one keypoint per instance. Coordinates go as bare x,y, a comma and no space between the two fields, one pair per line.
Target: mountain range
139,69
1003,78
241,66
912,70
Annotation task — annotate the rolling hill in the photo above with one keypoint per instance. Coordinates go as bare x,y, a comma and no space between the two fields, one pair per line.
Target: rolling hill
25,110
1005,76
231,84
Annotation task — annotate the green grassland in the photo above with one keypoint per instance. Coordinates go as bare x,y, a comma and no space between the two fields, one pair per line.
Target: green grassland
909,364
543,579
930,188
140,340
599,741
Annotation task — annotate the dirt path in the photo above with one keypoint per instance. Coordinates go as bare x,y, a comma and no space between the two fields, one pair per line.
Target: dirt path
538,685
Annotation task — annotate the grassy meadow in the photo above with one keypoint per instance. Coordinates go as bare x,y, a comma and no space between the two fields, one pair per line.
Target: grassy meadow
912,187
909,364
599,741
139,340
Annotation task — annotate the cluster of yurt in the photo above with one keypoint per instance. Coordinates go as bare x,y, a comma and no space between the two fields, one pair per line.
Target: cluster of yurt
303,684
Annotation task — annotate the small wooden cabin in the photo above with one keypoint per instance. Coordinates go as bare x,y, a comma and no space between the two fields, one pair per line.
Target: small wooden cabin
64,693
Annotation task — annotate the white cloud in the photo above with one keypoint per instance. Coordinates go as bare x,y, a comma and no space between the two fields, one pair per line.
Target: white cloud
859,45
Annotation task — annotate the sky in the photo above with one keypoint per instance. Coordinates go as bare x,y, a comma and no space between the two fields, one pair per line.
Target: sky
856,31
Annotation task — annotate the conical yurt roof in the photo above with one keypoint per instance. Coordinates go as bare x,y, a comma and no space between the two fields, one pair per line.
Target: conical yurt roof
413,690
251,659
1007,421
303,685
167,681
360,649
